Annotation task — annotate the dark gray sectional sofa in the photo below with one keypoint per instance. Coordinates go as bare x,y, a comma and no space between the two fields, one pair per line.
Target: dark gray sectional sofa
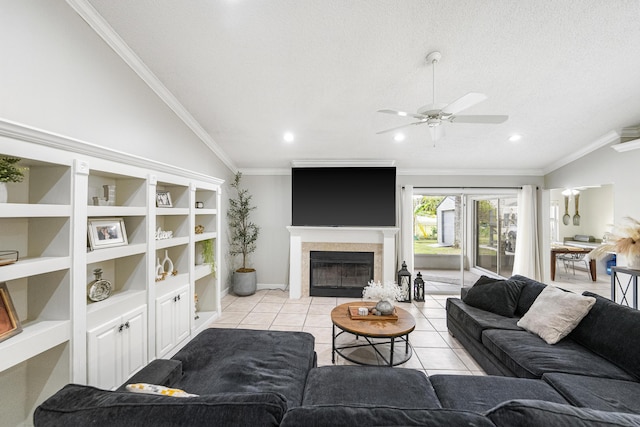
268,378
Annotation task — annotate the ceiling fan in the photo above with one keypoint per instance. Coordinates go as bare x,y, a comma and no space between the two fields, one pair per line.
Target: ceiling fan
433,115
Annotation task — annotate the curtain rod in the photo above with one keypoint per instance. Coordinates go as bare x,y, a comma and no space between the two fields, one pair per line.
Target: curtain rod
470,188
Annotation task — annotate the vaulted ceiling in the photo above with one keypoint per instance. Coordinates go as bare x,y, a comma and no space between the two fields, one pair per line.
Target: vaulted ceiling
566,72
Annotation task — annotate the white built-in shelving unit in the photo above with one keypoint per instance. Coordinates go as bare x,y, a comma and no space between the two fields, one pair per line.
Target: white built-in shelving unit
66,337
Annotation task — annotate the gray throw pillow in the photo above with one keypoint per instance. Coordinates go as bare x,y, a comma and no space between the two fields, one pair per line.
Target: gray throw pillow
555,313
494,295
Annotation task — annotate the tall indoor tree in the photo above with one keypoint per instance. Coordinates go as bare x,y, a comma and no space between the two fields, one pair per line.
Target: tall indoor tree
243,236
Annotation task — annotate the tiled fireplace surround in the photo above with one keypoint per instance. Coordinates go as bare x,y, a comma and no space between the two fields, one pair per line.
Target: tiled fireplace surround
379,240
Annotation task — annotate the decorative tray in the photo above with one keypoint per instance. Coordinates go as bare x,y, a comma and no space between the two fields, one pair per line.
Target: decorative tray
353,312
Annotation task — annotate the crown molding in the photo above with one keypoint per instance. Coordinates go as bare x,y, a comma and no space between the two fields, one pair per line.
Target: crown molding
471,172
44,138
629,140
606,139
113,40
265,171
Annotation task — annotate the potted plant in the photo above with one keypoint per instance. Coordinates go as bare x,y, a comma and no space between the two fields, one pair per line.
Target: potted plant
623,240
243,236
205,254
9,172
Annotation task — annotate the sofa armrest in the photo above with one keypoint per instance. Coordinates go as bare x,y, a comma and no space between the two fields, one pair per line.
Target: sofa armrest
160,372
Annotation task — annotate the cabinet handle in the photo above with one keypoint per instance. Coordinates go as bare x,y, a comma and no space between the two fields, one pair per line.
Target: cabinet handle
178,297
127,324
120,328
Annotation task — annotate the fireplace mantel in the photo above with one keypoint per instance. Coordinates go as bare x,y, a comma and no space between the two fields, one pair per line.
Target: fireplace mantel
384,236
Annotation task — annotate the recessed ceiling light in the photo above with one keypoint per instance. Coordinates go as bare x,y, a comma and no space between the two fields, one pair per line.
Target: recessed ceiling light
515,137
402,113
288,137
398,137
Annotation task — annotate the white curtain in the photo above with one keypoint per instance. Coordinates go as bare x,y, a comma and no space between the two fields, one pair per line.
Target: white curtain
527,258
405,236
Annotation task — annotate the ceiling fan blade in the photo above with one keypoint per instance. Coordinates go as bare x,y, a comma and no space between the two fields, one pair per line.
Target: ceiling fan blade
401,127
402,114
464,102
479,119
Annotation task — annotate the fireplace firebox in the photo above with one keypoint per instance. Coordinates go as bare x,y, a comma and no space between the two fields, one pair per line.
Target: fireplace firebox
339,274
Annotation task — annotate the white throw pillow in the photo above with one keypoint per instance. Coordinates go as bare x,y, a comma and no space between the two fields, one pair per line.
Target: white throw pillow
555,313
158,389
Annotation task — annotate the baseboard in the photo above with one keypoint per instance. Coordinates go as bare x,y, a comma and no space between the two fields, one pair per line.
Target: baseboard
270,286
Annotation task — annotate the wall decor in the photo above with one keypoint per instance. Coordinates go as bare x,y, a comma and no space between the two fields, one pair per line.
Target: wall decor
99,289
167,265
163,199
8,257
199,205
199,229
9,322
159,271
107,233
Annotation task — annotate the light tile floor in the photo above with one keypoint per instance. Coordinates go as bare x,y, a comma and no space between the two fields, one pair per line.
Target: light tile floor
434,350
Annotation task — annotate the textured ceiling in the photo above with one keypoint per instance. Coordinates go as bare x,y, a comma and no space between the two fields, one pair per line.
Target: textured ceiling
566,72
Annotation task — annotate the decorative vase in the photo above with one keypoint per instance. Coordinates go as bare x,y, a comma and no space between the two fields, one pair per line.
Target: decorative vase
99,289
167,264
3,192
159,271
385,307
633,261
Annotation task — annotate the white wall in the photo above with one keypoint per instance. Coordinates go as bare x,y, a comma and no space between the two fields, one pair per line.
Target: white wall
59,76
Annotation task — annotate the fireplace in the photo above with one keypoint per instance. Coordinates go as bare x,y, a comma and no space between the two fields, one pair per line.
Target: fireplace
339,274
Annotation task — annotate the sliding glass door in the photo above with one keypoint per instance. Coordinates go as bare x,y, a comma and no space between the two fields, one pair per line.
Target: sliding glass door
495,233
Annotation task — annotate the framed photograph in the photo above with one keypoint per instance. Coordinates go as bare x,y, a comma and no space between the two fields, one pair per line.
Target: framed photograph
107,233
9,322
163,199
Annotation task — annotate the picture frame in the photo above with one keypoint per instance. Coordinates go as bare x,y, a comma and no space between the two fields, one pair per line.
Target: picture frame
163,199
9,321
106,233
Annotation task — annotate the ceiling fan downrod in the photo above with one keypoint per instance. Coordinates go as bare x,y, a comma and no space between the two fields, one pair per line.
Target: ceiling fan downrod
433,58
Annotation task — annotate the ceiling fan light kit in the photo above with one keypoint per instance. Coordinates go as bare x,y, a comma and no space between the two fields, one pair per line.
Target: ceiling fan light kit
434,115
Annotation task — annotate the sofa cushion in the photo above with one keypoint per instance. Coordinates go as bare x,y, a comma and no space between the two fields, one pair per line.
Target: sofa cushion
475,320
242,360
555,313
528,356
499,297
481,393
354,415
159,371
536,413
333,385
76,405
603,394
528,293
611,331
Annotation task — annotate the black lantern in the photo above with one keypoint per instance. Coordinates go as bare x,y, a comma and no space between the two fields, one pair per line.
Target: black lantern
418,288
404,282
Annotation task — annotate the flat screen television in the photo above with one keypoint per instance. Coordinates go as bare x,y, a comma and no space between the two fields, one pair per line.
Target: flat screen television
344,196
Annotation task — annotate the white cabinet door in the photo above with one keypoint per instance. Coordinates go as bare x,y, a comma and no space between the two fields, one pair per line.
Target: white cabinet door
104,362
164,324
182,314
172,319
134,342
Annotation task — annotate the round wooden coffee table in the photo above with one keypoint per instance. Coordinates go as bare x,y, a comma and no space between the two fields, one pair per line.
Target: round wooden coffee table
379,335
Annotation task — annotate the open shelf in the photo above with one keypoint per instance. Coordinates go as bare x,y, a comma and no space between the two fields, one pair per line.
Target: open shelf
35,338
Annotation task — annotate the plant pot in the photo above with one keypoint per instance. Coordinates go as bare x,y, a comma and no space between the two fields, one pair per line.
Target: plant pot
245,282
3,192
